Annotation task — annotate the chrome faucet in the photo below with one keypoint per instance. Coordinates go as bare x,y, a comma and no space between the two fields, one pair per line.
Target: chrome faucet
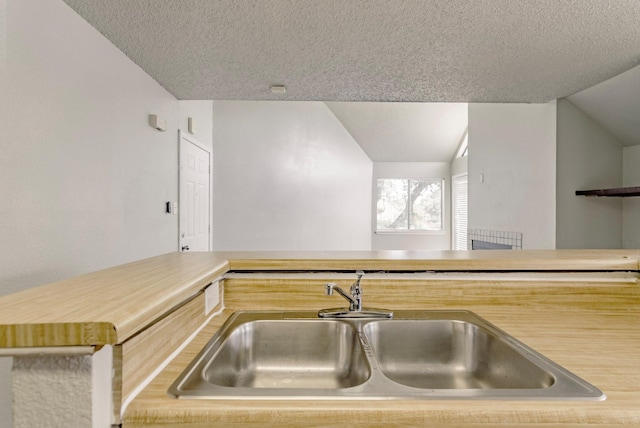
355,300
355,303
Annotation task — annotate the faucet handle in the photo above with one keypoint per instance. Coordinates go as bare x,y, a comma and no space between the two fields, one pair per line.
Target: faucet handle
356,290
355,287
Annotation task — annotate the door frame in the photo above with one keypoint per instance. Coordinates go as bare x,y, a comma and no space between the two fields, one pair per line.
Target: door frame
189,139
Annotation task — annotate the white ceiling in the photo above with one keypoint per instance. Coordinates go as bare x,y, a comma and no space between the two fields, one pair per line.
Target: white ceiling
373,50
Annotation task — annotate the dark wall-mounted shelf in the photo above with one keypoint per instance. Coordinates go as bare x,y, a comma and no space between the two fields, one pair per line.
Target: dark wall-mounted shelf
620,192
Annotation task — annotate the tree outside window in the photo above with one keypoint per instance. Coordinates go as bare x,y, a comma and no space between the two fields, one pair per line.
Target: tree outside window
410,204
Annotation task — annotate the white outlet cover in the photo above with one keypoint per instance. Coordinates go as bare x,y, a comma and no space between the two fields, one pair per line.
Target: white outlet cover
211,297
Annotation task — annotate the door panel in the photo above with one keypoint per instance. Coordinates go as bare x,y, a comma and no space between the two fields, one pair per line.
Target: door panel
194,196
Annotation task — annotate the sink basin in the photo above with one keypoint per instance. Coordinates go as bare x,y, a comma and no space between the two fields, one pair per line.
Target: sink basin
415,355
289,354
451,354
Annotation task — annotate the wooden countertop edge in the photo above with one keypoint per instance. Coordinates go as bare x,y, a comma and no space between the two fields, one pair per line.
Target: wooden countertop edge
37,332
497,260
148,289
39,335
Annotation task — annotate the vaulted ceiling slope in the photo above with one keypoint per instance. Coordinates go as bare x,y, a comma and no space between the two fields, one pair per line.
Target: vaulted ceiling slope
615,104
373,50
404,132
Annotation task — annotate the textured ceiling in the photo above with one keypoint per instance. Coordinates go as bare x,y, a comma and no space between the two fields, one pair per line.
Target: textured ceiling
404,132
373,50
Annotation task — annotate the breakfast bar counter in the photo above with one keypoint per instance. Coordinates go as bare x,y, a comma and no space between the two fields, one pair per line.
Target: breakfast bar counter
578,308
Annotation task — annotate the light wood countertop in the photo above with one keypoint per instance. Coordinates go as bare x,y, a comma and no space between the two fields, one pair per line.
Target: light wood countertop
107,306
589,326
111,305
397,260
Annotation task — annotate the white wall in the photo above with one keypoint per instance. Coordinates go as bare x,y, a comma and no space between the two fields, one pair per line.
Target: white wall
84,177
631,206
6,421
89,175
460,166
514,147
202,114
411,241
3,45
588,157
287,176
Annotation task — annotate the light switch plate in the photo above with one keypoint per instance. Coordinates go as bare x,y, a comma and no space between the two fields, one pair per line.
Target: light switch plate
211,297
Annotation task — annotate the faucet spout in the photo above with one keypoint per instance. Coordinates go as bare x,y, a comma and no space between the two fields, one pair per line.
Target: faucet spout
355,299
353,303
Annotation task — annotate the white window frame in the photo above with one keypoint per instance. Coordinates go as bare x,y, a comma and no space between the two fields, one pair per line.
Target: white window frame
463,147
441,231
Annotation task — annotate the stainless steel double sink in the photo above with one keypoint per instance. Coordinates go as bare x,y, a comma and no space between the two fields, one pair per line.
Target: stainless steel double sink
415,355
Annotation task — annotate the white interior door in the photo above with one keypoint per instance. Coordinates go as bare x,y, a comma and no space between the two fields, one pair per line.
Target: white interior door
195,179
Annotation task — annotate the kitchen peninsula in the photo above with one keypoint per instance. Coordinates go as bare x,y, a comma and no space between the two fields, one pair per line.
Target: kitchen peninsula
578,308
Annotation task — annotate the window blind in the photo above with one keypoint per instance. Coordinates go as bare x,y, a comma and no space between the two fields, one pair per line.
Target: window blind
460,211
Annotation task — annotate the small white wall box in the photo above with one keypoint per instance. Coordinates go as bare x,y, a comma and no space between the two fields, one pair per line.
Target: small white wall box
157,122
191,125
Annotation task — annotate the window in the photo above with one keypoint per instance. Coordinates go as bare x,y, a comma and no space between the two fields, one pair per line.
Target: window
410,205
